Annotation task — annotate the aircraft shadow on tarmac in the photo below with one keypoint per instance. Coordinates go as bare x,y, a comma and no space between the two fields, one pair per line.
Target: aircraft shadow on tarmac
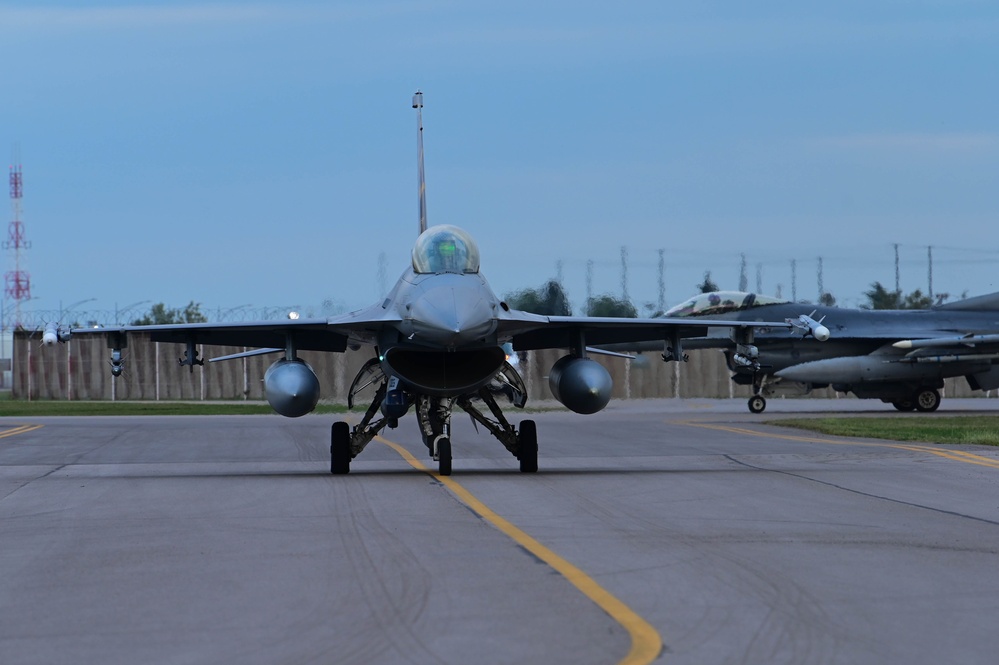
402,471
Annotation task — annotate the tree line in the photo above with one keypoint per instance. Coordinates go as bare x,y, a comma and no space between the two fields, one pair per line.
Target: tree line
550,299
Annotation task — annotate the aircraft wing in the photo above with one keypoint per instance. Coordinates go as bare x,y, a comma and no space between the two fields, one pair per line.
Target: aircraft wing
333,334
564,331
361,328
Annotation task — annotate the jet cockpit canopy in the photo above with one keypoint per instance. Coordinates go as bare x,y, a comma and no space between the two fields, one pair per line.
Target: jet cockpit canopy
720,302
445,248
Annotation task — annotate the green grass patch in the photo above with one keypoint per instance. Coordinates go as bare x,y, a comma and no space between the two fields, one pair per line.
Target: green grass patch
23,409
979,430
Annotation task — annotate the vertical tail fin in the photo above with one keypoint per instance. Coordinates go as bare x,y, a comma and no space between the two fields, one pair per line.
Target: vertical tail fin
420,181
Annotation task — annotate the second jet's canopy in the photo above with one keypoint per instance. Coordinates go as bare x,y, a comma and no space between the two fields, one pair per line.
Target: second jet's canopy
720,302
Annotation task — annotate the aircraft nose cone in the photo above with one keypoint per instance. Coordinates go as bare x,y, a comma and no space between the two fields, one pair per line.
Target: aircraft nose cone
451,316
438,314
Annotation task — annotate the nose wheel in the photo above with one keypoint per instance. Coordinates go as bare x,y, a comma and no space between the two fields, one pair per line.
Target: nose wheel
757,404
442,454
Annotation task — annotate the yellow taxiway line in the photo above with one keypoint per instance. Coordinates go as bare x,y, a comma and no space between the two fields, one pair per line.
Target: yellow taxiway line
20,429
956,455
646,645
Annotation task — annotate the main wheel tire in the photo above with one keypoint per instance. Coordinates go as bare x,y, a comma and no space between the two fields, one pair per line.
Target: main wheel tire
927,399
340,448
904,405
444,456
757,403
527,438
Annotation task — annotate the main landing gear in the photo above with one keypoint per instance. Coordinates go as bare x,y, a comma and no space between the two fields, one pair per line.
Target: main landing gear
925,399
433,415
757,403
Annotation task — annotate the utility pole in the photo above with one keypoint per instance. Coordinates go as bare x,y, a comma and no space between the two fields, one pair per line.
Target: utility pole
624,274
662,281
821,287
898,281
794,280
589,285
929,259
17,282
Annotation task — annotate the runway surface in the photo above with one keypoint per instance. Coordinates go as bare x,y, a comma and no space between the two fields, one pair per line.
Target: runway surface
662,531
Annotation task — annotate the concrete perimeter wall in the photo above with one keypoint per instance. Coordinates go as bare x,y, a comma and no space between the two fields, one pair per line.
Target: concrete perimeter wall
79,370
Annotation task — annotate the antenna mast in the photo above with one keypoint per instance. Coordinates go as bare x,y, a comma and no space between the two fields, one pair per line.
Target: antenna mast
624,274
662,280
420,182
17,282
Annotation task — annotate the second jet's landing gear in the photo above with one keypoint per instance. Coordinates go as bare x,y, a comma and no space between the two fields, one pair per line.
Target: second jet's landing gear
924,399
927,399
757,403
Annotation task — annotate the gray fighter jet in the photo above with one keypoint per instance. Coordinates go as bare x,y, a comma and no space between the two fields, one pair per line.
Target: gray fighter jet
897,356
439,340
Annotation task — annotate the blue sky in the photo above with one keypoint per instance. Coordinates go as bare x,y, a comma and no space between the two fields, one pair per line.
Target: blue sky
263,154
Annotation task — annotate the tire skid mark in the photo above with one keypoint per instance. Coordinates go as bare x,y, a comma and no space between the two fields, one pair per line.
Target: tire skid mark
797,627
395,601
646,644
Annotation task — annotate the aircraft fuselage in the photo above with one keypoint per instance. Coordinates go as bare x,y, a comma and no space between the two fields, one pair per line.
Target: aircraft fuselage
445,341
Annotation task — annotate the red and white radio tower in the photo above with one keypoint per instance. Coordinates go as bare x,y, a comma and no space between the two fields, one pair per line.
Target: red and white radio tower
17,282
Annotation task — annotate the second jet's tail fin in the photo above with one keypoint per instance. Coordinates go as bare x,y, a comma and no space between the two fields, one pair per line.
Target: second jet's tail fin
986,303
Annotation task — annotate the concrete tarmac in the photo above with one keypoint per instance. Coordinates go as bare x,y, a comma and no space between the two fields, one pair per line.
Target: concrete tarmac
225,539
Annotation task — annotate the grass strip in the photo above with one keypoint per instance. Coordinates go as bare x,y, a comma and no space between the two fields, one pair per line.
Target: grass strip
22,409
977,430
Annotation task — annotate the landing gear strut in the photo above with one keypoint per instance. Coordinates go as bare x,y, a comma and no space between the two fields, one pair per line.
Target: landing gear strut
757,403
433,415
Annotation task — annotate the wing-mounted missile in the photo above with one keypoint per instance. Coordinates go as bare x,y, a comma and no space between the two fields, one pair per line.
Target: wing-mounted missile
961,340
948,358
51,334
806,325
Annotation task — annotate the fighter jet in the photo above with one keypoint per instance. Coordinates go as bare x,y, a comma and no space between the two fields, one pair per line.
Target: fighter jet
898,356
438,340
